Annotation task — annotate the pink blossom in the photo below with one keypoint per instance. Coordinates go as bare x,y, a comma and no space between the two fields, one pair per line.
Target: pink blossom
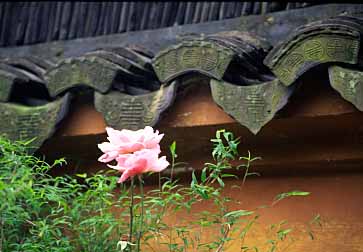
135,152
128,141
142,161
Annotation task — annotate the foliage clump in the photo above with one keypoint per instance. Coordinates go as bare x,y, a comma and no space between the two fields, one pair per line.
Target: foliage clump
39,212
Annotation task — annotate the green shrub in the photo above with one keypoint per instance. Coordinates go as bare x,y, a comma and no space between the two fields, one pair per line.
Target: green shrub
39,212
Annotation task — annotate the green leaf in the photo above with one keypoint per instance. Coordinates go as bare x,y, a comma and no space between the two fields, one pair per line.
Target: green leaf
226,175
173,148
253,173
220,181
83,175
282,196
311,235
282,233
316,219
202,192
194,180
203,177
238,213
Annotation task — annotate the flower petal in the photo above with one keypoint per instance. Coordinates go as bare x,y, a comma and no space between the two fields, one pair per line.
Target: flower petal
108,157
106,147
160,164
118,168
138,167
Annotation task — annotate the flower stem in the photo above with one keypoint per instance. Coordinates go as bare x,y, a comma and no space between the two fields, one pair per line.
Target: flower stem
131,211
142,212
1,234
172,167
159,184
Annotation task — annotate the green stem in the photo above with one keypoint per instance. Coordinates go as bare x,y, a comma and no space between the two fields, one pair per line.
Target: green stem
131,211
172,167
142,213
2,234
159,184
170,240
246,172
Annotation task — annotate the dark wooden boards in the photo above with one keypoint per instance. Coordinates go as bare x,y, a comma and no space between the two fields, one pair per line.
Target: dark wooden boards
45,21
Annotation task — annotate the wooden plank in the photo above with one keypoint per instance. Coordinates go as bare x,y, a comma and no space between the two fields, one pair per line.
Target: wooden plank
82,20
21,25
92,19
205,12
123,18
74,21
101,19
153,16
65,20
247,8
51,20
11,35
238,9
214,12
38,20
189,12
174,13
46,15
257,8
6,25
116,12
197,12
57,21
167,14
290,6
230,9
2,7
29,28
222,10
145,16
180,16
159,15
108,19
132,18
139,13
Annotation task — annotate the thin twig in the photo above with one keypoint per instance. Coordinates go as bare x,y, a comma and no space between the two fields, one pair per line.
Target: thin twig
131,211
172,167
142,213
225,235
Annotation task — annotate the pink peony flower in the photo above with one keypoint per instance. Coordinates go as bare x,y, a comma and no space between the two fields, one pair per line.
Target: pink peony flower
136,152
128,141
142,161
